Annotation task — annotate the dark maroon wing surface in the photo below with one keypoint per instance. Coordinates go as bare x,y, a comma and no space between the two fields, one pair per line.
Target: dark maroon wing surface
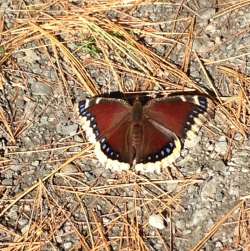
180,114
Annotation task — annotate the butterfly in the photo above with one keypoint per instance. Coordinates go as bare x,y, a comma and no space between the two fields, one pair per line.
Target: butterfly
141,131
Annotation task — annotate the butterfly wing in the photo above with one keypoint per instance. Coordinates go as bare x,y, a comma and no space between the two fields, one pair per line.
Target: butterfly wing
183,115
117,148
168,121
99,116
158,142
107,124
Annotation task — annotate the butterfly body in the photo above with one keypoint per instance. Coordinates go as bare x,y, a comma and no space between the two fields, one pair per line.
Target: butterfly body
140,131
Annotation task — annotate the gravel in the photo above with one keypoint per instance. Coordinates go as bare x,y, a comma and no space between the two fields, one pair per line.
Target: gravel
39,108
38,88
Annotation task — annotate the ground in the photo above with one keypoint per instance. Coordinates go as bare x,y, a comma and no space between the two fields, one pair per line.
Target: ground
54,194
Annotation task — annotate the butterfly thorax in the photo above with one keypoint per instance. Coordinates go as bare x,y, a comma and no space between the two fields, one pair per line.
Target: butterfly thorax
137,111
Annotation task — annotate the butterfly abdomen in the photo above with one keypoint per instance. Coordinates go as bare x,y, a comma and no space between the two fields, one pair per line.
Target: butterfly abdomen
136,137
137,141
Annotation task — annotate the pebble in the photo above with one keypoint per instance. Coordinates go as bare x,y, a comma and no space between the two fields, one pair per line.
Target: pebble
209,189
22,222
171,186
67,130
35,163
245,169
238,136
186,232
211,28
59,239
26,208
207,13
180,224
106,220
199,216
70,168
218,165
219,196
27,142
7,182
209,147
89,175
36,68
241,160
31,56
205,3
210,223
219,244
67,245
38,88
156,220
77,138
44,120
25,228
193,142
218,40
8,174
12,214
221,145
199,46
67,227
234,190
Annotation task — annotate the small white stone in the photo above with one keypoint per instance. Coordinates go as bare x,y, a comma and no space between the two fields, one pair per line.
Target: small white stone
221,145
67,245
148,167
238,136
155,220
193,141
211,28
26,208
218,40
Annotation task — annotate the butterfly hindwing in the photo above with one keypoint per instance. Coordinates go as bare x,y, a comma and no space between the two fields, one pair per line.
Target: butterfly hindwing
157,144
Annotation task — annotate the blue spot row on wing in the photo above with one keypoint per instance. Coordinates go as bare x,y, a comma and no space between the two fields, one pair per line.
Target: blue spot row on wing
92,121
82,107
108,151
163,153
202,103
201,108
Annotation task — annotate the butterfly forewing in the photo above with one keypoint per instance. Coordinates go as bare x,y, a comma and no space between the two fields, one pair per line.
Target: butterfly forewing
178,113
102,115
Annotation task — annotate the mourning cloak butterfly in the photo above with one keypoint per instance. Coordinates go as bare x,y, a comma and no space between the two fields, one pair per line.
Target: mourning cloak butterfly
141,131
